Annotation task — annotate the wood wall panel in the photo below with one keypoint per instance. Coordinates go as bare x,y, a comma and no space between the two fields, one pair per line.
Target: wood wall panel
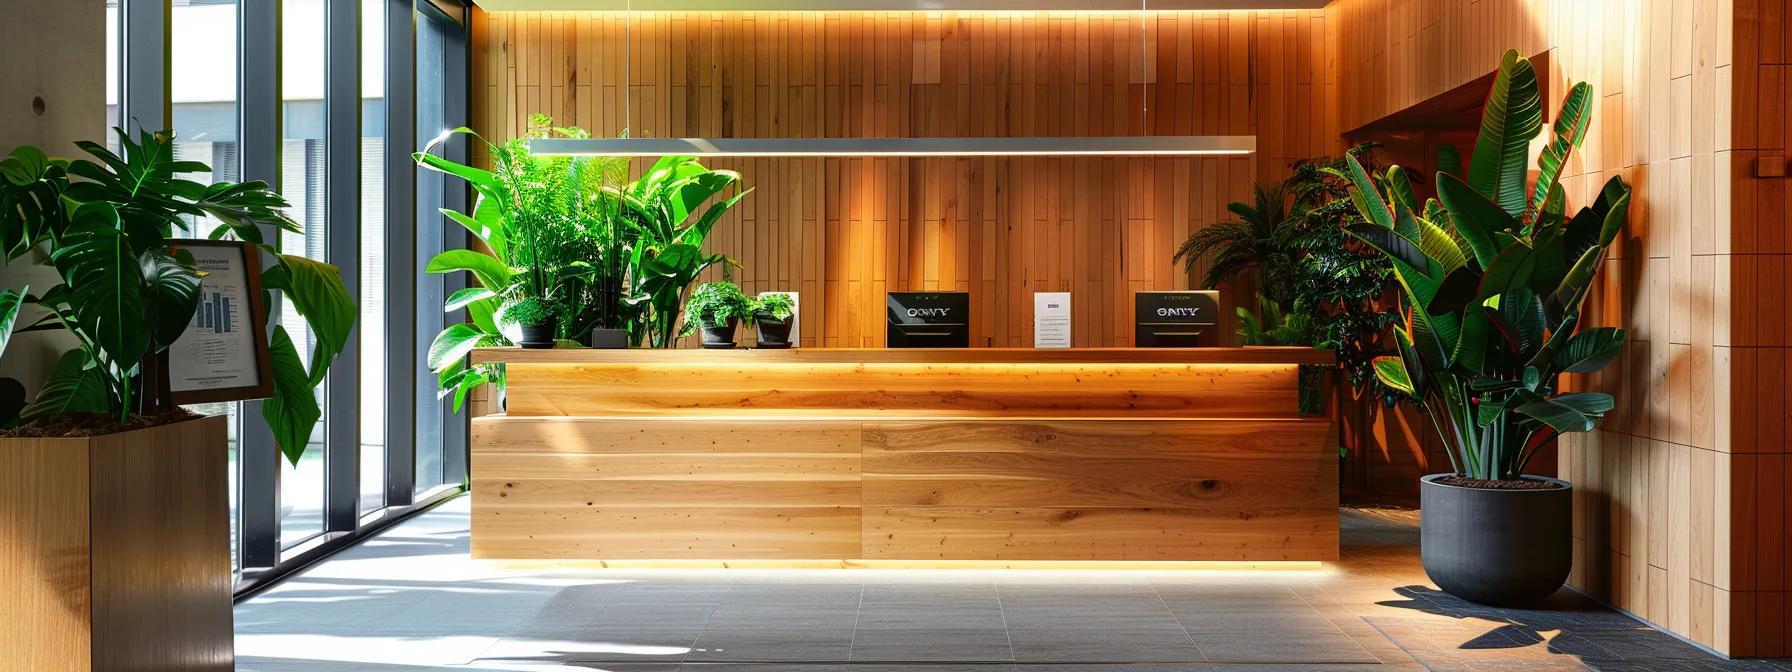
1680,513
844,231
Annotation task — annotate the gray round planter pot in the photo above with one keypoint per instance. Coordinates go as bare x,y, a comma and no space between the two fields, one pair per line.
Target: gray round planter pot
1497,547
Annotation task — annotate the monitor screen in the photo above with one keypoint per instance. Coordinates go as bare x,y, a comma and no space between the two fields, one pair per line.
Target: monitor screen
1176,319
928,320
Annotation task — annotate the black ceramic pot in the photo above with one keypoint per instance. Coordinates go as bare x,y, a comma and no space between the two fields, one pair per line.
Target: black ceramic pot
722,337
609,339
540,336
1496,547
773,334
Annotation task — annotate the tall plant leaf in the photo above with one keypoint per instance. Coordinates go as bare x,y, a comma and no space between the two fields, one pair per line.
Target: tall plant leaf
292,412
1570,130
1510,120
318,294
1476,218
1367,198
105,283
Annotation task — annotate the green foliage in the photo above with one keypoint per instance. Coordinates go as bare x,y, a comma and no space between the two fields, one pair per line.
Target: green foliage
1258,240
126,291
773,307
1295,237
1493,297
666,256
715,304
567,230
1271,325
530,310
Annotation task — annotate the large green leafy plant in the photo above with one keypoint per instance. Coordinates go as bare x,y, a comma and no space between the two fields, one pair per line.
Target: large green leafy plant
126,290
1495,273
544,236
667,254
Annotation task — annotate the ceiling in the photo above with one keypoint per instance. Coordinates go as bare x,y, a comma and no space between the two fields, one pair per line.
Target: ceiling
889,5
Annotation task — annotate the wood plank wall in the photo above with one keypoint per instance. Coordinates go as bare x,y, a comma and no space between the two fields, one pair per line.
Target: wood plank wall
1681,507
843,231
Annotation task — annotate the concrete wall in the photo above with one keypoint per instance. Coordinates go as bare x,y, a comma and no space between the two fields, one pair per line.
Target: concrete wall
52,92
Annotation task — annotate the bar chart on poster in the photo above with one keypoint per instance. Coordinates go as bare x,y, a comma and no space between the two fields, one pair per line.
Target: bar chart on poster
221,353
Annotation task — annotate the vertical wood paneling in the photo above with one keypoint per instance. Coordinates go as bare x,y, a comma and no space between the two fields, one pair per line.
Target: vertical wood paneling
844,231
1681,508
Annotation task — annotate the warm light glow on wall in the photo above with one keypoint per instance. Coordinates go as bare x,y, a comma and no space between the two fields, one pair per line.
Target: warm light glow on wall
1159,145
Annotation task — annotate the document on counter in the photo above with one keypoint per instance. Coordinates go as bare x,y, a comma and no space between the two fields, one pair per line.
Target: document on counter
1051,319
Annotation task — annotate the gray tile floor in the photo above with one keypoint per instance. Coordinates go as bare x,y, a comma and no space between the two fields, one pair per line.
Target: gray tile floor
411,600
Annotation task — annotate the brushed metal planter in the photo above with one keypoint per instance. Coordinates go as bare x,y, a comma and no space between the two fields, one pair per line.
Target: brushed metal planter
1496,547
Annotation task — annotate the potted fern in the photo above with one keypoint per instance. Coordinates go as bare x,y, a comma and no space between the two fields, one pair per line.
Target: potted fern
103,440
771,319
716,309
1495,272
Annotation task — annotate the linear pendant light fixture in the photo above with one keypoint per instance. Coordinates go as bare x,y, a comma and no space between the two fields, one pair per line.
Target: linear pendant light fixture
1159,145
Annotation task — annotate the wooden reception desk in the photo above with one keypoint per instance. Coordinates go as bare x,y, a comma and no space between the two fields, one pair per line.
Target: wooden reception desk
851,457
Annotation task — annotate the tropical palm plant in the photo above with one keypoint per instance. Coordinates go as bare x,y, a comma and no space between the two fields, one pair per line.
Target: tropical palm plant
1494,277
1271,325
1256,241
127,291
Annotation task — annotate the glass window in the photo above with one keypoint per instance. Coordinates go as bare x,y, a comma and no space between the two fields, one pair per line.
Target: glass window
373,255
113,82
432,120
302,182
202,79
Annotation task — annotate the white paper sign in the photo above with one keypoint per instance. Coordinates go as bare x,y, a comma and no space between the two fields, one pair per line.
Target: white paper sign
218,350
796,317
1051,319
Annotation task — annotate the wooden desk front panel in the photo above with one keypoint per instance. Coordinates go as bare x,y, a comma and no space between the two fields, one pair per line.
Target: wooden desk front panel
595,488
1101,490
912,488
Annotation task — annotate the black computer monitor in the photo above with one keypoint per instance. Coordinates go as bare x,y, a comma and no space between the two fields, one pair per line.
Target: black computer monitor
1176,319
928,320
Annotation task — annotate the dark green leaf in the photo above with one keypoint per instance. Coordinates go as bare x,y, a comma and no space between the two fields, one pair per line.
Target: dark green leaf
1510,120
1590,350
1456,292
12,401
292,413
73,387
173,282
9,312
1475,217
105,283
1559,417
318,294
1570,130
1393,245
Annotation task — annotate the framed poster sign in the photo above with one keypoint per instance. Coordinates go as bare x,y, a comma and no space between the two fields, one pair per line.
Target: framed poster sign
223,355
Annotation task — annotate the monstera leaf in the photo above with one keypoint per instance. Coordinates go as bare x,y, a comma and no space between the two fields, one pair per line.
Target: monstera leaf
173,281
317,293
74,386
105,283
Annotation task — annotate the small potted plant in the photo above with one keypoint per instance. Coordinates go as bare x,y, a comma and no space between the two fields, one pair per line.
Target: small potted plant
771,318
537,319
716,308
